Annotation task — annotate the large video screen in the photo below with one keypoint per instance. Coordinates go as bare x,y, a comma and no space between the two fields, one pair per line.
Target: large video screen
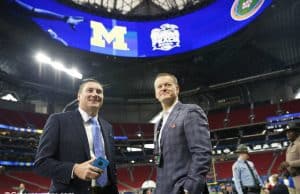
280,121
74,28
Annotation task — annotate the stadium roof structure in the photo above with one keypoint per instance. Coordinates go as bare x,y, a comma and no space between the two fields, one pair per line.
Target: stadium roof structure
138,9
268,48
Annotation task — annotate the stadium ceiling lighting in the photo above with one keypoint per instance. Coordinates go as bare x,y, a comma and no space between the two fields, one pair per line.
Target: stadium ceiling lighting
257,147
139,133
9,97
149,146
276,145
132,149
285,143
249,149
132,161
43,58
266,146
297,96
278,130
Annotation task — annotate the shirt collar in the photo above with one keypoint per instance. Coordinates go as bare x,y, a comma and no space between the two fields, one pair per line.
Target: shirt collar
164,113
241,160
292,143
85,116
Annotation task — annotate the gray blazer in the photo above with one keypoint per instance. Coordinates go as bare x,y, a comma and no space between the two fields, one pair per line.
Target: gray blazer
186,151
63,143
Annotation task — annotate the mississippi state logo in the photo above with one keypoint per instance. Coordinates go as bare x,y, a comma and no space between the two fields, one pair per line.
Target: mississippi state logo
165,38
244,9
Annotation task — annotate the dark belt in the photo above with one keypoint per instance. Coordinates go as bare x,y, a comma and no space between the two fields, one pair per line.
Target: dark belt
101,190
252,189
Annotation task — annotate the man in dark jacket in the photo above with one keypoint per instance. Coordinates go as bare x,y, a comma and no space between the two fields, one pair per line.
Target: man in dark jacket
72,140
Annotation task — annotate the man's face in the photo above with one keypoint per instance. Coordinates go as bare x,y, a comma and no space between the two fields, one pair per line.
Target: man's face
291,135
91,97
166,90
245,156
149,191
22,186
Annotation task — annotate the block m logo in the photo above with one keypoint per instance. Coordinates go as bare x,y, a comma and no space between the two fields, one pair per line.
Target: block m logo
116,36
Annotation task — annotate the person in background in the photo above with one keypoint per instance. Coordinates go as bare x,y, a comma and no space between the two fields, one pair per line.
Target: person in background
290,184
246,178
2,170
148,187
22,189
277,187
292,163
229,189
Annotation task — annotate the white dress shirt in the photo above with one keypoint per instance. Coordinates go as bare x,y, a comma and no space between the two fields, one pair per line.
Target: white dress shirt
165,115
89,133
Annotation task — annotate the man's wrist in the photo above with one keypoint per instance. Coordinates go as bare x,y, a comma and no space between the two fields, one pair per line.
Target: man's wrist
73,175
185,191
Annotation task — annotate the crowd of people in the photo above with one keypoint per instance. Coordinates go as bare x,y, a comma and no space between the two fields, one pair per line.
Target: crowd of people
246,179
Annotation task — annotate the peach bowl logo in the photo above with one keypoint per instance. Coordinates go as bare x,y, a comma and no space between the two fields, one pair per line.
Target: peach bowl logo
165,38
244,9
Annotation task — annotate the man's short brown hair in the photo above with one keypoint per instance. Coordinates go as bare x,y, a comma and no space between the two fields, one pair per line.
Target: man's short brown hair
167,74
86,81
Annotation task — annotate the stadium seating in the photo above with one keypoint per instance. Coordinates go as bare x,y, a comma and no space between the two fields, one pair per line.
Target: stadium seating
132,177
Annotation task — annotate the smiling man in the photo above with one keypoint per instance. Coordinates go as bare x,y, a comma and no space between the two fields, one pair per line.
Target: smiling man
182,142
72,140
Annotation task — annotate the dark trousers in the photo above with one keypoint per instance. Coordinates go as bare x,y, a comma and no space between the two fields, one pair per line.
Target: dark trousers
205,191
102,190
251,190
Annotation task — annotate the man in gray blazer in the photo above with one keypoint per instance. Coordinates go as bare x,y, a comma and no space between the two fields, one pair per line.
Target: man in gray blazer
68,147
182,142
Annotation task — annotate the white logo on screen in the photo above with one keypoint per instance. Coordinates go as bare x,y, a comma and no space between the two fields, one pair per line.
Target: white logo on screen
165,38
